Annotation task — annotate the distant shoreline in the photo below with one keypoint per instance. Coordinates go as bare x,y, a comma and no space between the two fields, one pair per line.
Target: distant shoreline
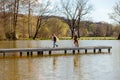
69,38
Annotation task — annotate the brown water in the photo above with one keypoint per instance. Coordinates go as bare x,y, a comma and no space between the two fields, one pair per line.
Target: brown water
61,67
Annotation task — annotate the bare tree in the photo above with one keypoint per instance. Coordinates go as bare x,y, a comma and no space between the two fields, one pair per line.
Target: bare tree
44,11
15,13
74,11
10,12
83,9
3,14
30,5
116,15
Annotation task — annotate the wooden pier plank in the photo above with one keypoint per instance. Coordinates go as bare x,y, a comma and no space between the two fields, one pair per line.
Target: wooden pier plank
41,50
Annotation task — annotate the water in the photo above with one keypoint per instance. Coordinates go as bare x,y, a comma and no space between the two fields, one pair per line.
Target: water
61,67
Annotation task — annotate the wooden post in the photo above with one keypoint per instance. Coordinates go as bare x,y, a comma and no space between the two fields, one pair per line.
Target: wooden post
99,50
41,52
27,53
50,52
38,53
3,54
65,51
109,50
78,51
31,53
94,50
85,50
20,54
73,51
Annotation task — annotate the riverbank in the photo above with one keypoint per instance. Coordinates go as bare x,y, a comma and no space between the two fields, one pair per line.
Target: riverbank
91,38
69,38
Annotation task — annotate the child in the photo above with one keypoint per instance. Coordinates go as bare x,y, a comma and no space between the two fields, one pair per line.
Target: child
54,40
75,40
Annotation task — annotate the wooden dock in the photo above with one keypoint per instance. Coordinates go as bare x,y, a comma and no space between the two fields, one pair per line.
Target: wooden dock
40,51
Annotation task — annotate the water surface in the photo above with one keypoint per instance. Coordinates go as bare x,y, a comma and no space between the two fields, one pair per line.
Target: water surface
105,66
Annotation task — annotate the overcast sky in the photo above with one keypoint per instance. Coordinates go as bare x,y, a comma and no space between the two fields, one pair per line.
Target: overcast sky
101,10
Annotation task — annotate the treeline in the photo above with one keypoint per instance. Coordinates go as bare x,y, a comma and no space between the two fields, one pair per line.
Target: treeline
101,29
56,25
21,19
53,26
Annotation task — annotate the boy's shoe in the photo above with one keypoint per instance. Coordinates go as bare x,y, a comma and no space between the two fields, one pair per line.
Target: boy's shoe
56,45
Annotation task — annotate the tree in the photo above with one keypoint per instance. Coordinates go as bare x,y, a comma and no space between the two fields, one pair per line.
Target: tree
74,11
116,15
10,14
30,5
3,16
57,26
54,25
15,14
13,8
44,11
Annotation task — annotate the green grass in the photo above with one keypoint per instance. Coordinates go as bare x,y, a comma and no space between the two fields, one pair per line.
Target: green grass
90,38
69,38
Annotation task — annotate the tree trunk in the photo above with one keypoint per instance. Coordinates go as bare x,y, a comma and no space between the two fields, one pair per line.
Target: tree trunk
78,24
29,15
35,35
72,33
16,6
78,29
37,27
119,36
4,14
78,33
36,32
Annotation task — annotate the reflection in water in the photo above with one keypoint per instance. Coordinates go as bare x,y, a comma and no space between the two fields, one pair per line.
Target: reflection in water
76,61
55,63
62,67
8,68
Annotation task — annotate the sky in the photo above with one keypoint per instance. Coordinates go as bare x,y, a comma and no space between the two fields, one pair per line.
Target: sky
101,9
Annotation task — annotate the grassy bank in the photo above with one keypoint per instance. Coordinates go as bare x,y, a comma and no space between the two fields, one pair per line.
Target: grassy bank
69,38
91,38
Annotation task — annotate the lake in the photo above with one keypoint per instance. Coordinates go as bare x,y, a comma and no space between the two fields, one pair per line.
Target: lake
102,66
